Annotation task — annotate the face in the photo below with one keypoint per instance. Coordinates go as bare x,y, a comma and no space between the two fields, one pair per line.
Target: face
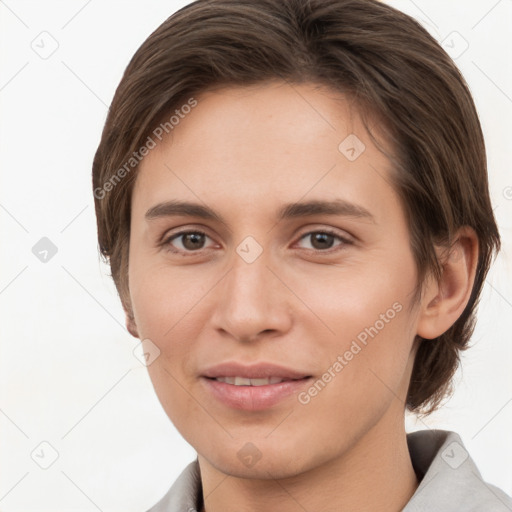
267,243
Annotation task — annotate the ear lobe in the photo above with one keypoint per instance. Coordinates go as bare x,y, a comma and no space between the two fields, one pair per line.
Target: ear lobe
131,326
445,300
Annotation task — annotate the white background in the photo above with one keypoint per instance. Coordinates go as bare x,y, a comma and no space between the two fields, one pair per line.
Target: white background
68,375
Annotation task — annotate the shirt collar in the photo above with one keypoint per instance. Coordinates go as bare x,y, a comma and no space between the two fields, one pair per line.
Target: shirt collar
450,480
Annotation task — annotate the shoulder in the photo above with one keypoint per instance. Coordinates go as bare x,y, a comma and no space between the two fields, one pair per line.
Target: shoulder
450,480
184,494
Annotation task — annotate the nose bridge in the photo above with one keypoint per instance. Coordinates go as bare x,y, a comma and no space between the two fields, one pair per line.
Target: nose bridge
250,279
251,300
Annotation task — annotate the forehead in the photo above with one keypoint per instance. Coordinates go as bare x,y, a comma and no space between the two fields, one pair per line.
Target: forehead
271,142
272,112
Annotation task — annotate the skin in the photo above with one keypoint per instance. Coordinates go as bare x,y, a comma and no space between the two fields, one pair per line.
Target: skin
245,152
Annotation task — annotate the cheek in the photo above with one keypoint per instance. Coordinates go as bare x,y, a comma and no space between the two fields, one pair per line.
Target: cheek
165,299
367,334
358,300
167,309
164,305
365,375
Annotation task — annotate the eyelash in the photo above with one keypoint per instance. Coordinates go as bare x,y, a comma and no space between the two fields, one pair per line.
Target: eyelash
166,243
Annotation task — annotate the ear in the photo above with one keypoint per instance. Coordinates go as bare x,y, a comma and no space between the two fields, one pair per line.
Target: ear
443,302
131,326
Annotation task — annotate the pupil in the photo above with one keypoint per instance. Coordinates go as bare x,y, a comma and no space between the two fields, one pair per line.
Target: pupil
193,240
322,240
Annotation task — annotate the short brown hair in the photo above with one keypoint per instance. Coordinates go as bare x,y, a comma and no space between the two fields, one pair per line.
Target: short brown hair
384,60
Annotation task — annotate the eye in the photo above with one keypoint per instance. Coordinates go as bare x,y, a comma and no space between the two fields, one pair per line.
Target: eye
323,240
186,241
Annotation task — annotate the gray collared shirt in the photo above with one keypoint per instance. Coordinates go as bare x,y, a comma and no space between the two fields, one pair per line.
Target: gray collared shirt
449,480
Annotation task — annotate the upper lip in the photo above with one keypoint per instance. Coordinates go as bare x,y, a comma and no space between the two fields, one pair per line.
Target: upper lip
252,371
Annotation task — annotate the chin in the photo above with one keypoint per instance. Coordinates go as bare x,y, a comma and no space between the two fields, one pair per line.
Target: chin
261,459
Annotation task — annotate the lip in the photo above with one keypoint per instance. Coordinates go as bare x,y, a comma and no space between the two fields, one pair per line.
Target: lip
252,371
253,398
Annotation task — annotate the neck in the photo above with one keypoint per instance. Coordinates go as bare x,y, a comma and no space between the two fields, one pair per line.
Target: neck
376,474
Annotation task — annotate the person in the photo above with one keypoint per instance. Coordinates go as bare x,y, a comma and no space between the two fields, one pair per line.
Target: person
293,199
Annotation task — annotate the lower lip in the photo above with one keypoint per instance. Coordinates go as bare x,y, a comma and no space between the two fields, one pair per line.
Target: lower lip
253,398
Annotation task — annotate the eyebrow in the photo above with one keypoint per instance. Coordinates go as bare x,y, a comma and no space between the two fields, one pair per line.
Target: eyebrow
288,211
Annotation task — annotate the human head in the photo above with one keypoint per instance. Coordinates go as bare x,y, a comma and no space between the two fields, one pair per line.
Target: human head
386,63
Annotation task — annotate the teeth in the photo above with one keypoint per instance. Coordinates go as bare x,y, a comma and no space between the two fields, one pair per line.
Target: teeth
243,381
259,382
240,381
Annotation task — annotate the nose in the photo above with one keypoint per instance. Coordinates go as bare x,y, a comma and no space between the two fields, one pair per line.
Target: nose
251,302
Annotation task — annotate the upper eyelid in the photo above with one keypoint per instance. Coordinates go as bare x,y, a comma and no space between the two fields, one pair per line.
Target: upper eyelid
330,231
342,234
182,230
206,230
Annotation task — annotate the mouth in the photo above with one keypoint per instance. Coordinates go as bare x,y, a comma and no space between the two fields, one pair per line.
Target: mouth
244,381
243,374
252,388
